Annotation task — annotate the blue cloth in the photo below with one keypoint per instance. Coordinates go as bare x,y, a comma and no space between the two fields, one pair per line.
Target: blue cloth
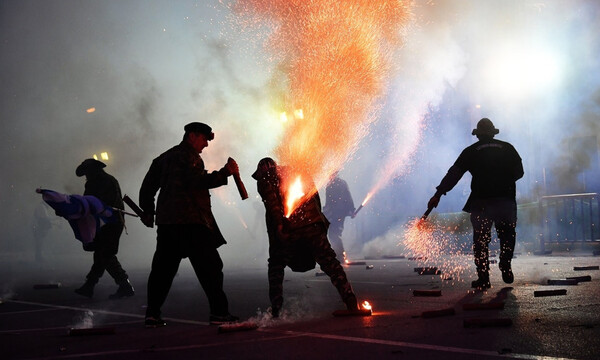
85,213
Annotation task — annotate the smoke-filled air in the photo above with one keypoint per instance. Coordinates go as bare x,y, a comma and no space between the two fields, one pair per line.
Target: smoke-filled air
385,92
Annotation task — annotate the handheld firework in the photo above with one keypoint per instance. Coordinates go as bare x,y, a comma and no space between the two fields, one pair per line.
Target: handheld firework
240,185
136,209
367,198
357,210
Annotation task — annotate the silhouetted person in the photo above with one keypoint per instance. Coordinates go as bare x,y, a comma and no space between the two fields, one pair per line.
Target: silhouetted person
298,241
106,243
185,223
495,167
338,206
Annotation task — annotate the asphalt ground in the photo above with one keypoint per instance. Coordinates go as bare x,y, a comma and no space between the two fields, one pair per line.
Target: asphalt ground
37,323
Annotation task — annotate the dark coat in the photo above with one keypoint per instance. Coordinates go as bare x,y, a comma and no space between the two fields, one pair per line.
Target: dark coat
184,185
338,203
298,254
106,188
495,167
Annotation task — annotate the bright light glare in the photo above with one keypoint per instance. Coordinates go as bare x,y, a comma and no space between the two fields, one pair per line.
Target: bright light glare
519,72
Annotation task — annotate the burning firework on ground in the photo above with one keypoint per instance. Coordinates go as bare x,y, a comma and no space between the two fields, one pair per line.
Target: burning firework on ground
335,56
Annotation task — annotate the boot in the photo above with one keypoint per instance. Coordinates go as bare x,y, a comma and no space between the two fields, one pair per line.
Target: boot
482,282
87,289
352,303
125,290
507,274
275,312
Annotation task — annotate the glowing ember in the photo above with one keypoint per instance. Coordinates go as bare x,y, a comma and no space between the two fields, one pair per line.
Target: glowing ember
336,57
91,110
345,257
366,305
294,194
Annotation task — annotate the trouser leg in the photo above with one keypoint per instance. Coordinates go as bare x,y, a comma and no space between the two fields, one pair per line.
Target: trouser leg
325,257
165,264
482,234
276,270
107,246
506,224
335,239
208,267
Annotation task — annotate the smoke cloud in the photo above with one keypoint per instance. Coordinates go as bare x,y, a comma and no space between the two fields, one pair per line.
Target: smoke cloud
148,68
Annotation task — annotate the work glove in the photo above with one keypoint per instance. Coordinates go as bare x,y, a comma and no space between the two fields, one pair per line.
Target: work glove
433,202
232,167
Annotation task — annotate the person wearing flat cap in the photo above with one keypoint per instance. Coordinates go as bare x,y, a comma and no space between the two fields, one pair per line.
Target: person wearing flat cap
495,167
185,223
106,242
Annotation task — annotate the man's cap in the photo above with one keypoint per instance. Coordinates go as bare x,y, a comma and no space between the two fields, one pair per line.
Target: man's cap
198,127
485,127
89,165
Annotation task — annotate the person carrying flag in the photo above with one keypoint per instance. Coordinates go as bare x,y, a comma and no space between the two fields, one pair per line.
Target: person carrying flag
106,242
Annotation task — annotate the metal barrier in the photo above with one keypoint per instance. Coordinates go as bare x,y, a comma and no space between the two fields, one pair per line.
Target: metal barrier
569,218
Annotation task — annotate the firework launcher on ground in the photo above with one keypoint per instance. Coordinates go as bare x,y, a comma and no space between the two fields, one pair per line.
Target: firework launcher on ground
365,310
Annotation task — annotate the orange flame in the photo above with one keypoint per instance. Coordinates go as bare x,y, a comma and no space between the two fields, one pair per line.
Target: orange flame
367,198
294,194
366,305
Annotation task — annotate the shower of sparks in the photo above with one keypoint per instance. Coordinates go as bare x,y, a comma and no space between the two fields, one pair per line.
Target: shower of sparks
336,59
434,244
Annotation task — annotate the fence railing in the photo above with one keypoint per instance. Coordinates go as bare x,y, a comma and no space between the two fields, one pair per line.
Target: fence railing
569,218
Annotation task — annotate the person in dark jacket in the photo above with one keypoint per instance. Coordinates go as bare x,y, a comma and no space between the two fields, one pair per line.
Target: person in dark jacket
185,223
495,167
106,242
338,206
297,241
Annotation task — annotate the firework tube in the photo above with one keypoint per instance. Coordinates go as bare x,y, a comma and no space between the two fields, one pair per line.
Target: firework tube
357,210
240,186
424,217
125,212
137,210
238,182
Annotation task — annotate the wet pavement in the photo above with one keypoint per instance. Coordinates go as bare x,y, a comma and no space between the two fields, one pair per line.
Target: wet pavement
450,321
